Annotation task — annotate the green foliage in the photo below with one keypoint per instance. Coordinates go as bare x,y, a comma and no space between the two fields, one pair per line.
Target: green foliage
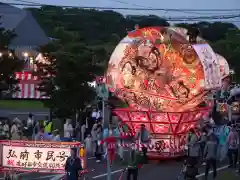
101,30
9,63
65,74
212,31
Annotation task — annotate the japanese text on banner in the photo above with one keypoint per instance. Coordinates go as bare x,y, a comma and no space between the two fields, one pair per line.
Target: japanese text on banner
33,157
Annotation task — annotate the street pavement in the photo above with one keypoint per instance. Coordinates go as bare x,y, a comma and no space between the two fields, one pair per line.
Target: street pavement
228,174
23,114
166,170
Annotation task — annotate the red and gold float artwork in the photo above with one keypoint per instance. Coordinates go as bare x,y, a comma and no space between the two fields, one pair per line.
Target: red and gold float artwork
157,69
163,78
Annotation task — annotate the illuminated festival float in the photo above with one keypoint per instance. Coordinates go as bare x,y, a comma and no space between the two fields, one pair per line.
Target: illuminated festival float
163,74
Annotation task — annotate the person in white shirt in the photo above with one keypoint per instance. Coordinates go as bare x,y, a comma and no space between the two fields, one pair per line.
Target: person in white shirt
15,131
30,120
68,129
96,114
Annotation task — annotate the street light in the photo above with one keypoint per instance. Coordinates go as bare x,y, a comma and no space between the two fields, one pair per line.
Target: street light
25,54
1,54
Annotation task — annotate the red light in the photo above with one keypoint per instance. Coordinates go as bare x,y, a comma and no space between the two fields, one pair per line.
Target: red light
169,127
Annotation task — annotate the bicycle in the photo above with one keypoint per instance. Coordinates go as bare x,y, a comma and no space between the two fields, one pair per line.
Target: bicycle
122,173
82,175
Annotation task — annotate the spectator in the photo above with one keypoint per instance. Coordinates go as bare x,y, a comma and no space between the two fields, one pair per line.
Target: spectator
4,129
83,131
1,130
56,135
210,154
99,137
29,129
73,166
233,143
96,114
77,131
30,121
68,129
94,137
42,136
15,130
88,144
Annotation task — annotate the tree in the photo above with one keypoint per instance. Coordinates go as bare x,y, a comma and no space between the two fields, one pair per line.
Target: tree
230,49
65,75
211,31
9,63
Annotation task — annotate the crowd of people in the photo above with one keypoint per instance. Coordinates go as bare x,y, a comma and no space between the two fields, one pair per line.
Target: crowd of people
207,145
212,145
28,129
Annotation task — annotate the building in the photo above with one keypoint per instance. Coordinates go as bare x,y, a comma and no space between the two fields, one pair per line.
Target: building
29,36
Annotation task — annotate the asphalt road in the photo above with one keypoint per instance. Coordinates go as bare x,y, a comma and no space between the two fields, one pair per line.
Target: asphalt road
166,170
23,114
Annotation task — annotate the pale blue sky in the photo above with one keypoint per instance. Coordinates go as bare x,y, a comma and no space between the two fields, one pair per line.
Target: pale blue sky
178,4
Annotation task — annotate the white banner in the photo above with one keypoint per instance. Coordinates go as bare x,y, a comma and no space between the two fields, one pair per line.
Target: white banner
210,65
35,157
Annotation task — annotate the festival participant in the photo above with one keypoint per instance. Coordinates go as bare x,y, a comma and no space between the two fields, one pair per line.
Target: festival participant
73,166
143,138
133,164
48,125
233,143
193,144
210,154
120,148
203,140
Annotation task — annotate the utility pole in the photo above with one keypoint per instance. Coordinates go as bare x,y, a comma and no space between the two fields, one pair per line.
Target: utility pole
109,169
103,111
